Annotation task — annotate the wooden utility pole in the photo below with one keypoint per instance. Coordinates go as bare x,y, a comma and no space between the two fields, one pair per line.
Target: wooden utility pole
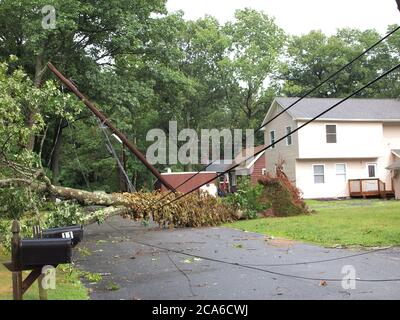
106,122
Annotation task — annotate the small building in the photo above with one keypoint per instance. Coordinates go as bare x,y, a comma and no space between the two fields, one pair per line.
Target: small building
178,179
227,182
346,152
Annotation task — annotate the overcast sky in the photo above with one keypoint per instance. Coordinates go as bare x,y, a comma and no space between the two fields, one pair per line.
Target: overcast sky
301,16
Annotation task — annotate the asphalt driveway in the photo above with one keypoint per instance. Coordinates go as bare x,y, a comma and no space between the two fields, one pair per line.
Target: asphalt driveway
133,270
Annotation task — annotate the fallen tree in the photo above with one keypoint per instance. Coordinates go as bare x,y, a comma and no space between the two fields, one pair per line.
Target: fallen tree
192,211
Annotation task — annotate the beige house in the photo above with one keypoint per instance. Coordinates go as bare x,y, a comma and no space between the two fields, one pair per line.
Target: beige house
353,150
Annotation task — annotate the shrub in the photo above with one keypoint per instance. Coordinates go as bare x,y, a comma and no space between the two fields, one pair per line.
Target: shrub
248,199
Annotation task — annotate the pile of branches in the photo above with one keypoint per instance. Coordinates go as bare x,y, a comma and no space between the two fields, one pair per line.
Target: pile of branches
191,211
285,198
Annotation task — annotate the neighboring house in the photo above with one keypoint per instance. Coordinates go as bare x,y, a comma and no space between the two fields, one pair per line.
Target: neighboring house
395,170
254,167
227,182
345,152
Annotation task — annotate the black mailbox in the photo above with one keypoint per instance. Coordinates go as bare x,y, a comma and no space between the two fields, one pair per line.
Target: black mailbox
40,252
74,233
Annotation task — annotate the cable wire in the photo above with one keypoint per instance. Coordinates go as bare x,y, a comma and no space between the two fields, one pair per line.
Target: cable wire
236,264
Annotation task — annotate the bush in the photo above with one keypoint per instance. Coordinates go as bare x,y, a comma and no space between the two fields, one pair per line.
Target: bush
248,199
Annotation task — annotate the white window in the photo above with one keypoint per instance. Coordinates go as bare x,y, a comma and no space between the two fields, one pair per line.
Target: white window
319,173
272,138
371,170
331,136
289,138
341,172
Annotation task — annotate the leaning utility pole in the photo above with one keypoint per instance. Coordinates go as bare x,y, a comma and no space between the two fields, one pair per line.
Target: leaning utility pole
106,122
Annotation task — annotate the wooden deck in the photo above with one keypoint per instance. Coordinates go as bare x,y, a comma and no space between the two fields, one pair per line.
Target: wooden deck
372,187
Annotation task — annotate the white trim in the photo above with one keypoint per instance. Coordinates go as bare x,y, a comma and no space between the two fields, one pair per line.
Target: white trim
253,162
268,112
320,164
396,154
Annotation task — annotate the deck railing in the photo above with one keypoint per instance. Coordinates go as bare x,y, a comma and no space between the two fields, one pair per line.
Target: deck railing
367,187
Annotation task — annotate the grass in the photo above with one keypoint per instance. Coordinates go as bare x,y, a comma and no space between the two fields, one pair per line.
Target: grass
350,223
68,285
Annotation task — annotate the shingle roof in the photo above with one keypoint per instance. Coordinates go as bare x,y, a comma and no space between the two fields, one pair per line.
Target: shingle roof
220,166
352,109
394,166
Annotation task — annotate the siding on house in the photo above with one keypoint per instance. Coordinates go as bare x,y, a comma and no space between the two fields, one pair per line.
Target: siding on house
354,140
391,141
334,186
396,183
289,154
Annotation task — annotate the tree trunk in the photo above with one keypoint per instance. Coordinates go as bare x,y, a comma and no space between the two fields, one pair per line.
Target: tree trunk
83,197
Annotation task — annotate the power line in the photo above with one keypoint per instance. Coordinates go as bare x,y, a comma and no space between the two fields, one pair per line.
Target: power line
236,264
112,151
319,261
299,99
291,133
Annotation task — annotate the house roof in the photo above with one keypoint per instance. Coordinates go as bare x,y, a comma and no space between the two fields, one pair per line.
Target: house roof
247,153
220,166
396,152
395,165
352,109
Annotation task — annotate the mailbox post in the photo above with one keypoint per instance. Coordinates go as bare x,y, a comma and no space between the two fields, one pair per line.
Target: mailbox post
16,275
50,247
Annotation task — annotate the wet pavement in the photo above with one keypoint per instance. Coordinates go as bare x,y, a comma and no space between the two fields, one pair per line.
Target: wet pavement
134,271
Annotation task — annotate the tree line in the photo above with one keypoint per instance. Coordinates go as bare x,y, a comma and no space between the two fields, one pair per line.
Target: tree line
145,67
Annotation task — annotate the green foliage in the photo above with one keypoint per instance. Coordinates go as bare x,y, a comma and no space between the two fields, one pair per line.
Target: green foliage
59,215
248,199
15,202
65,214
313,57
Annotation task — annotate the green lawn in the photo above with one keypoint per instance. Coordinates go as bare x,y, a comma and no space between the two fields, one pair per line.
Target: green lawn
367,223
68,284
